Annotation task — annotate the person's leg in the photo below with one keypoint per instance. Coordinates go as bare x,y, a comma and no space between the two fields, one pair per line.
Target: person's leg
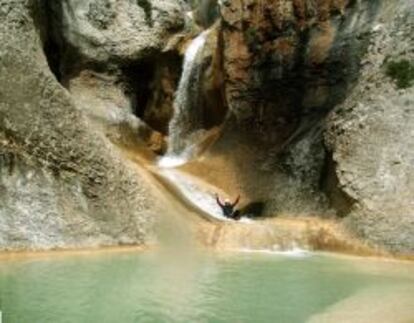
236,215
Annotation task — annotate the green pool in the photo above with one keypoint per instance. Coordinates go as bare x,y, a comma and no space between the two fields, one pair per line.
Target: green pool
190,287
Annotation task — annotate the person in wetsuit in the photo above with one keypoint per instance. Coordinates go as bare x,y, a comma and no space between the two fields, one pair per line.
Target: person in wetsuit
228,208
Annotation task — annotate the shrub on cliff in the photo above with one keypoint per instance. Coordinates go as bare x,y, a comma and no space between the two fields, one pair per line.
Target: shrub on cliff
402,72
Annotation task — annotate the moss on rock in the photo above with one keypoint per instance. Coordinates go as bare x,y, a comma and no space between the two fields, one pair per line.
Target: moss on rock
402,72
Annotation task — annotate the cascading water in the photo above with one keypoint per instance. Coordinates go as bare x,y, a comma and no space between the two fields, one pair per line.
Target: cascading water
187,116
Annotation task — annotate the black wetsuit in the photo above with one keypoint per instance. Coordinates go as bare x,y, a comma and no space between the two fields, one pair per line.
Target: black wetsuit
228,209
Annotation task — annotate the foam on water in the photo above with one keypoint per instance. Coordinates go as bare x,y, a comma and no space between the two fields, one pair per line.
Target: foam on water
294,252
171,161
244,219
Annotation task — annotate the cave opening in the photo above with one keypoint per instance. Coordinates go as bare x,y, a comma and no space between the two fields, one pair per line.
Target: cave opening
138,77
151,85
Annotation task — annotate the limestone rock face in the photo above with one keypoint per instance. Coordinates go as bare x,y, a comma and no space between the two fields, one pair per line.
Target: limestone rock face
291,58
103,30
62,183
312,124
307,81
286,65
106,52
371,137
373,150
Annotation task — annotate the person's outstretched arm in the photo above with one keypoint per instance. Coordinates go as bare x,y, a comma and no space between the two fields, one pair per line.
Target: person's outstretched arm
236,201
218,200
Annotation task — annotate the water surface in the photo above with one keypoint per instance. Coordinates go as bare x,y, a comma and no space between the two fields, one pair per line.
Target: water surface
228,287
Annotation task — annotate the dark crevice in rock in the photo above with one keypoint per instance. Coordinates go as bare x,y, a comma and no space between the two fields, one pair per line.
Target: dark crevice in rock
212,101
53,56
147,7
8,161
338,199
51,47
207,12
352,3
166,75
65,61
138,77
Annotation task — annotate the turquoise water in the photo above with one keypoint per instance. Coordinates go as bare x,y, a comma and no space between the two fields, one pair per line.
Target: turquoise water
227,287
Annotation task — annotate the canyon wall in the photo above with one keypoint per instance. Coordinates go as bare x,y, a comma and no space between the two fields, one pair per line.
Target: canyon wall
311,122
370,138
62,182
306,81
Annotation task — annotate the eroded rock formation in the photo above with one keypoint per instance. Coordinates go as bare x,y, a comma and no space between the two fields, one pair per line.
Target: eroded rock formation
310,123
370,137
296,70
110,56
63,184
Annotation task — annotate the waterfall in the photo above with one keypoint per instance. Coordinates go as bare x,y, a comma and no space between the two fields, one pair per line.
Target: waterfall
188,110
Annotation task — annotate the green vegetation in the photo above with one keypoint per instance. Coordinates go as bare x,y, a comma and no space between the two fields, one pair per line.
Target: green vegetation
252,38
402,72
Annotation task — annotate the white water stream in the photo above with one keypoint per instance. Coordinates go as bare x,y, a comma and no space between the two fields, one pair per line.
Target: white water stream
184,134
200,195
186,121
